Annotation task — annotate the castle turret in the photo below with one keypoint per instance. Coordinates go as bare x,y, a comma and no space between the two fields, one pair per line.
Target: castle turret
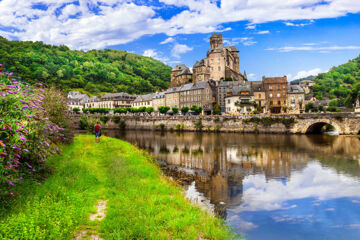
216,41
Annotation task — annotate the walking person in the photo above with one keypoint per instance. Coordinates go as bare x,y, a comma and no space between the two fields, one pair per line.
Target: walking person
97,132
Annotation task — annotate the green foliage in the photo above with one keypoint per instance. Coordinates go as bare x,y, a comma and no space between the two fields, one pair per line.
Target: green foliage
32,123
93,71
162,127
198,125
149,110
122,124
333,103
76,110
184,110
85,110
268,121
311,107
175,110
104,119
83,123
121,110
116,119
196,109
342,82
98,110
217,109
228,79
180,127
163,109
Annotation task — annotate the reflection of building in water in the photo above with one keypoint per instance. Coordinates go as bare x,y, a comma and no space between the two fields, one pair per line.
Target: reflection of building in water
218,163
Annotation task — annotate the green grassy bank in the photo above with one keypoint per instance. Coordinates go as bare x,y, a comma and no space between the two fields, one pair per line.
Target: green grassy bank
142,204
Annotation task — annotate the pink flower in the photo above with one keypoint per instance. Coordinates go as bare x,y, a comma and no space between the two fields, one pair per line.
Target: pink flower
25,150
10,183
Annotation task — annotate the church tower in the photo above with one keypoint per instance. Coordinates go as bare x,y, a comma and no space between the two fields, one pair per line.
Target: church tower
216,41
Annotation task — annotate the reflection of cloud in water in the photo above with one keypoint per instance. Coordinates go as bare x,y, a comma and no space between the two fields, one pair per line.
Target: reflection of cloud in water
241,225
312,182
294,220
196,197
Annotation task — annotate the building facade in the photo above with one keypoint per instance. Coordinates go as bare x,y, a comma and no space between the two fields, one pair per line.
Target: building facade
199,94
172,97
158,100
143,101
180,75
241,101
276,93
296,99
257,87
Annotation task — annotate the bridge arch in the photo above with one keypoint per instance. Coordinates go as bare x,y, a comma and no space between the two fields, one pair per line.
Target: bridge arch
320,125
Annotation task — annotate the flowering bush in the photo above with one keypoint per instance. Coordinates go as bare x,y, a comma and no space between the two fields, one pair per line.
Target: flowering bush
27,136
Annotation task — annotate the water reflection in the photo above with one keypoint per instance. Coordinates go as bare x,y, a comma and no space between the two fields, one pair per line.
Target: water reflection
267,186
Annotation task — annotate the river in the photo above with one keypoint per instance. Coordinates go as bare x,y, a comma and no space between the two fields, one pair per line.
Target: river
265,186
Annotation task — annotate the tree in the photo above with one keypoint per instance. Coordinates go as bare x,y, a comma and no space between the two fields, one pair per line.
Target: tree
149,110
164,109
184,110
196,109
175,110
217,109
76,110
141,109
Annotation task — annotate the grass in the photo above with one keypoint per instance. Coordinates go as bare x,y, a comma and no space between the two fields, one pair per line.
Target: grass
142,203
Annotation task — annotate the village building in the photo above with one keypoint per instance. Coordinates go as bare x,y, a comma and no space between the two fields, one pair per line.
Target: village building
257,87
172,97
158,100
200,94
116,100
223,90
241,100
295,99
221,63
92,102
145,100
306,85
357,105
276,93
76,99
180,75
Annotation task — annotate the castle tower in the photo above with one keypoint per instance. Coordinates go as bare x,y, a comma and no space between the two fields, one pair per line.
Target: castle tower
216,41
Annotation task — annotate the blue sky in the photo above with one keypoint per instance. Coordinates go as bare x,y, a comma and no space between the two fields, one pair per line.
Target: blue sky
290,37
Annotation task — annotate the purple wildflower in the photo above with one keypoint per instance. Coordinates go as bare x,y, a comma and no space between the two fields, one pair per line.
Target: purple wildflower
10,183
28,165
23,101
25,150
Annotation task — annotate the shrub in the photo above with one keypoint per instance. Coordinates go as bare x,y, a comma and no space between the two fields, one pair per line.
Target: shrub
268,121
198,125
104,119
141,109
83,124
162,126
217,109
175,110
164,109
76,110
116,119
180,127
85,110
149,110
29,132
196,109
121,110
184,110
122,124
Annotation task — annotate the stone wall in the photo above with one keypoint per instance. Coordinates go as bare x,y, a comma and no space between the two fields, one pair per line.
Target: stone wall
348,124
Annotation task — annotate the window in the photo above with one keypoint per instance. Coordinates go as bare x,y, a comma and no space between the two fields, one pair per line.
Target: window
207,90
270,95
259,95
228,101
292,99
219,68
300,99
279,103
212,69
278,95
270,87
219,60
212,61
278,87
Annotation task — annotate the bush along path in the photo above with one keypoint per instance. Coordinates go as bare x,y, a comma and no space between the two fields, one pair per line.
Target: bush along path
114,184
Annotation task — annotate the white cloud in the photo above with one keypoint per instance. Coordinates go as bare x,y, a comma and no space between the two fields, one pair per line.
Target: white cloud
154,54
314,181
118,22
314,48
250,26
299,24
263,32
168,40
246,41
179,49
312,72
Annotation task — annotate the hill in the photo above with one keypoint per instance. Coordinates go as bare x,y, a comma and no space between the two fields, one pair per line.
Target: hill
93,71
297,81
341,82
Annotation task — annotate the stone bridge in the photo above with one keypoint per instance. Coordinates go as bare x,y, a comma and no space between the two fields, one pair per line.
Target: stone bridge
344,123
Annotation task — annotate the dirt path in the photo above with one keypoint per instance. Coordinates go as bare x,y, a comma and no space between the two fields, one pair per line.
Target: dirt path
91,232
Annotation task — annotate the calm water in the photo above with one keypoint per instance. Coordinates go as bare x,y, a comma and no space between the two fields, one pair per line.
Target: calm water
266,186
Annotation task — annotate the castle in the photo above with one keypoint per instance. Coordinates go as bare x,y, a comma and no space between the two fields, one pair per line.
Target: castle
221,63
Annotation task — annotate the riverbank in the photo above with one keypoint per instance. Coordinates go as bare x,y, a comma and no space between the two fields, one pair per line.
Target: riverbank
141,202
